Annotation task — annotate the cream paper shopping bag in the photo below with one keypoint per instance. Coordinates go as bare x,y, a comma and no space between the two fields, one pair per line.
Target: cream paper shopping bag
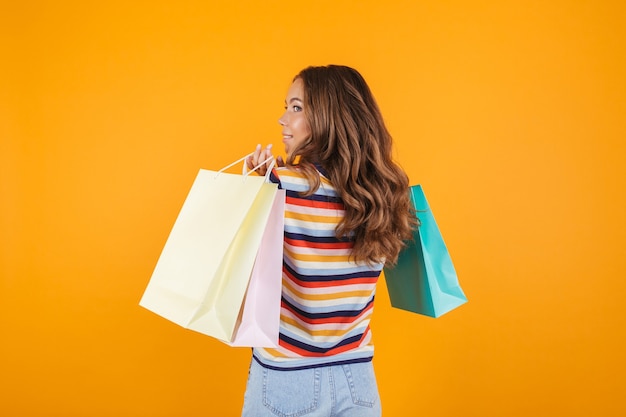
208,257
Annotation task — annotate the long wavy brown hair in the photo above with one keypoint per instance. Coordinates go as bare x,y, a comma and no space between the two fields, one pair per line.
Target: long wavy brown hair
350,141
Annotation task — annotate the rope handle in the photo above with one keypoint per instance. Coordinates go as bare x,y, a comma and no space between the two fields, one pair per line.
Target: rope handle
244,170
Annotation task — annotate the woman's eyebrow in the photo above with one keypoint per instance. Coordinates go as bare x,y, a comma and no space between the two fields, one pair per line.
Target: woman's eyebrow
291,100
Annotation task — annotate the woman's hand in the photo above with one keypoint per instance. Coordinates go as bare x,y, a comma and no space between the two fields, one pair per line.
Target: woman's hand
259,156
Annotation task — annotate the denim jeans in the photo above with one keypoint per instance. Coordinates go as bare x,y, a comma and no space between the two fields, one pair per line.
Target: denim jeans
329,391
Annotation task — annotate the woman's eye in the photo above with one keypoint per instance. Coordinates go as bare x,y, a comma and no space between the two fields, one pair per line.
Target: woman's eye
297,108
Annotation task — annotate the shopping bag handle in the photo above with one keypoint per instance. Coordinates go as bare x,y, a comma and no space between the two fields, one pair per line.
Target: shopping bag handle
244,170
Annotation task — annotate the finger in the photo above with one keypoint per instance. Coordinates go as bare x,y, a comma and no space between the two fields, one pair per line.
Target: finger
280,162
256,155
250,162
268,152
262,154
260,157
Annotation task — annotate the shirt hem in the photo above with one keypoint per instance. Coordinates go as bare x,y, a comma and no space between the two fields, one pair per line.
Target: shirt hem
311,366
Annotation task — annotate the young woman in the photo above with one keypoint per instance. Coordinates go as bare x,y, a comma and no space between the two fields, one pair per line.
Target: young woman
347,214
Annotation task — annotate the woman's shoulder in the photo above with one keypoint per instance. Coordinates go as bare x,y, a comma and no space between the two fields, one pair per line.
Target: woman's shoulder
292,178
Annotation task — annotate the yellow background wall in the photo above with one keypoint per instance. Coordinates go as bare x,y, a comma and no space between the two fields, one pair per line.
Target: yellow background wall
510,114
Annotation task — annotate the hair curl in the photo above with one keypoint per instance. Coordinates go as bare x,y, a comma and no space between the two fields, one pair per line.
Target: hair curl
350,141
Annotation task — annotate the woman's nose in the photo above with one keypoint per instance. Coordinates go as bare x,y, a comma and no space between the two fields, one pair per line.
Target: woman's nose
282,121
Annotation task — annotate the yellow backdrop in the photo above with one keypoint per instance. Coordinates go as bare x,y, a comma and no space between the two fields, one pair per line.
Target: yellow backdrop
510,114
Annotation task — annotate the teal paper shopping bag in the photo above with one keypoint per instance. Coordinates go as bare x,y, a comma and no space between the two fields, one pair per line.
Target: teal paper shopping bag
424,280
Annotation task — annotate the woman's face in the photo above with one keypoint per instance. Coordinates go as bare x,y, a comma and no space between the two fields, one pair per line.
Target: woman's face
295,126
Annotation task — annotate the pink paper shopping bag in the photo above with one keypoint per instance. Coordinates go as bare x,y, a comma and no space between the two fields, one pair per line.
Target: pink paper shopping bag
260,317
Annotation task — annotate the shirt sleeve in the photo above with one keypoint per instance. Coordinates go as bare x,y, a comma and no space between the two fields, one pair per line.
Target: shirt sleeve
274,178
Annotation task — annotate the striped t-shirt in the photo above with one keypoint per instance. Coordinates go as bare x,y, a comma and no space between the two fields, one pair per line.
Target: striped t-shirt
327,299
